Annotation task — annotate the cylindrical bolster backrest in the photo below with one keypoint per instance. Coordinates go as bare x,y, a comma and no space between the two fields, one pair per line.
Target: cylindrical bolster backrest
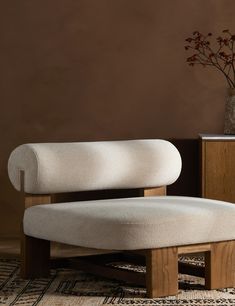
80,166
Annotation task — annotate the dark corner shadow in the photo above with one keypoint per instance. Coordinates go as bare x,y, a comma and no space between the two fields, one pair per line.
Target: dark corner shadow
189,180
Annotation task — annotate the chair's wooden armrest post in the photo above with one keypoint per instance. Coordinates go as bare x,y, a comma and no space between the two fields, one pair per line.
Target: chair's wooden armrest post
32,199
157,191
35,253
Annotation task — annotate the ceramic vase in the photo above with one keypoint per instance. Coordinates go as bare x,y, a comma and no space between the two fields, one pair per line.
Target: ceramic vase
229,120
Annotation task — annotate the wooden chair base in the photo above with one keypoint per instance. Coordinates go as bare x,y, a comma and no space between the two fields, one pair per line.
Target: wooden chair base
35,257
162,272
162,266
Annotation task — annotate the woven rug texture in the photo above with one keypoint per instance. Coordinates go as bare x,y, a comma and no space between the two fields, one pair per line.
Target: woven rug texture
69,287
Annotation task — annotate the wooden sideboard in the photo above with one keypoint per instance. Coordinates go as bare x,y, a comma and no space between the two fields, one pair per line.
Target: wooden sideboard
217,154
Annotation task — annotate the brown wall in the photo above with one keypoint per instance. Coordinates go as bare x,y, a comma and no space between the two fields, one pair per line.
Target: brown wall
75,70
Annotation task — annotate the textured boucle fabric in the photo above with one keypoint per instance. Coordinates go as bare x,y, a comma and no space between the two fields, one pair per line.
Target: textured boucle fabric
68,167
133,223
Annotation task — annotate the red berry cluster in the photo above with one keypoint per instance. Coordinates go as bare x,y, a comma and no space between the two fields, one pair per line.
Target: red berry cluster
221,57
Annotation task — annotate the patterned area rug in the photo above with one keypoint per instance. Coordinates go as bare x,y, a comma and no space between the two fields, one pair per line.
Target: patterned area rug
68,287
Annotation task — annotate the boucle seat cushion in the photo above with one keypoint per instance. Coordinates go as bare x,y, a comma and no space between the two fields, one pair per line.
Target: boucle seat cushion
133,223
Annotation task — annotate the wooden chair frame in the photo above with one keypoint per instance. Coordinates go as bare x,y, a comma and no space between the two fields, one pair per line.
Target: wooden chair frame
162,267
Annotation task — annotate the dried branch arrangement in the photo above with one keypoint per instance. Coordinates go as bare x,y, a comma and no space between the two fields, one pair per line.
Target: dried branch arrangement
221,56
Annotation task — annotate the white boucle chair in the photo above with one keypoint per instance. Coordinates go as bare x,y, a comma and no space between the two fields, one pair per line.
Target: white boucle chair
145,221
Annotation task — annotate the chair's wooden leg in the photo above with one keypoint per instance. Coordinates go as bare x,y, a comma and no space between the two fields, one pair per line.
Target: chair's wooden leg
162,272
35,257
220,265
